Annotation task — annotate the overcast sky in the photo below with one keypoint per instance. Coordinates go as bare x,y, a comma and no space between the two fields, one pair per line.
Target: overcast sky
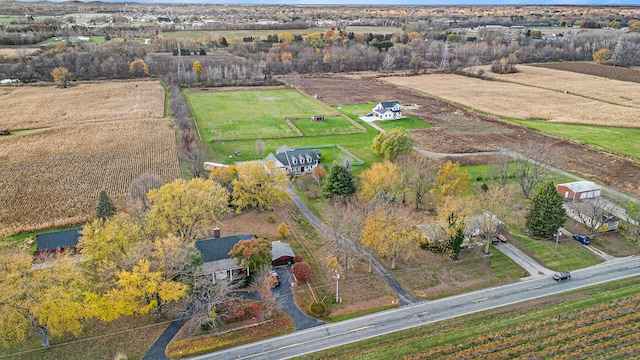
400,2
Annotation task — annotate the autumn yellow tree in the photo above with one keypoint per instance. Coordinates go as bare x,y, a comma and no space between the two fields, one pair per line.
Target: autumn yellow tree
260,186
197,67
224,175
49,300
383,176
138,68
602,56
389,231
286,37
450,181
286,55
283,230
187,207
60,76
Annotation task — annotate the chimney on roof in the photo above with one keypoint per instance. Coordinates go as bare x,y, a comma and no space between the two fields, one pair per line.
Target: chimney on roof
216,233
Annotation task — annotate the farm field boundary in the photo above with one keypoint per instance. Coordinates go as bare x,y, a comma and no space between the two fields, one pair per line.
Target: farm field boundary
590,68
512,100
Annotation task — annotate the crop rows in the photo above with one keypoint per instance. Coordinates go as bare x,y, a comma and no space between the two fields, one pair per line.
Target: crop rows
604,330
30,107
52,177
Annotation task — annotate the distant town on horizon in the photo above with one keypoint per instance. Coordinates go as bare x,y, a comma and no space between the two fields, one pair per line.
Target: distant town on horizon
389,3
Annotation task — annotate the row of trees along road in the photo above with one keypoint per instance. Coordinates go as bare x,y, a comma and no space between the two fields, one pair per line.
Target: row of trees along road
134,261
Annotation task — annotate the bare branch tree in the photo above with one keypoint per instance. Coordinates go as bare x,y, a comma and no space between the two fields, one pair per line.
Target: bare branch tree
259,148
137,202
530,167
632,218
593,213
205,297
195,159
264,281
500,169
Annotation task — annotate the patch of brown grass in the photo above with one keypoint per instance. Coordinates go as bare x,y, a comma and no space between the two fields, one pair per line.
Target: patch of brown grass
521,101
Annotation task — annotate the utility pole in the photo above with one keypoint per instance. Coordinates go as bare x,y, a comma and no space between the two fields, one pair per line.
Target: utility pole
337,277
557,235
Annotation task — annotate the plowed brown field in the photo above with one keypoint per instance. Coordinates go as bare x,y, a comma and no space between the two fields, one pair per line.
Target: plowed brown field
457,130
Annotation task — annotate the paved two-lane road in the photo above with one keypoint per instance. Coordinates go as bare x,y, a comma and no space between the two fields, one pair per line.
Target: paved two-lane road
332,335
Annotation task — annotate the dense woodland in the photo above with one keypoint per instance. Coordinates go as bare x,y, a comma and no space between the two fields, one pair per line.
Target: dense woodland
450,39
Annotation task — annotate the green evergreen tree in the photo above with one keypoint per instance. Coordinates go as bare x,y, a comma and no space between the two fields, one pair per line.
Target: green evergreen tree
392,143
339,182
546,215
105,207
456,226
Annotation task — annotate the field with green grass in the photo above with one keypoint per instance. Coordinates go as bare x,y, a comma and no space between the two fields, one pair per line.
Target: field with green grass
407,123
251,114
625,141
596,322
331,125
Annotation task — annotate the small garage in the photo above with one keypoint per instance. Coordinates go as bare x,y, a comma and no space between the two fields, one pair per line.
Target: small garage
281,254
579,190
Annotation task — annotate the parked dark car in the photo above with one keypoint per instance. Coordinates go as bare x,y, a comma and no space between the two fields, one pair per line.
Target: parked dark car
583,239
276,277
563,275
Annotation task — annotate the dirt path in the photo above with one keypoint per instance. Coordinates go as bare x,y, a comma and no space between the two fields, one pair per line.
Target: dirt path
460,131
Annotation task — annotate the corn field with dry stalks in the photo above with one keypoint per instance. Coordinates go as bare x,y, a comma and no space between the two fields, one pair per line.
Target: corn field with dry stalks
51,176
529,101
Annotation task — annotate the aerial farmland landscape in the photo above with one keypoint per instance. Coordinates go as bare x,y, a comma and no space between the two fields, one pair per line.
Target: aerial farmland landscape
270,181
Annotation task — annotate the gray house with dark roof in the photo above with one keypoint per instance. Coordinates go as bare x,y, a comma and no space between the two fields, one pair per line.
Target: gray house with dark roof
296,162
57,242
217,264
388,110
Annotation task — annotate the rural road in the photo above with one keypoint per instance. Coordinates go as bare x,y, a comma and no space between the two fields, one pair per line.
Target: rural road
341,333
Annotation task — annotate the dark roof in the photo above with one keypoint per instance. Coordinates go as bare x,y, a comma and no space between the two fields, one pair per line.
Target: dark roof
218,248
389,104
58,240
286,156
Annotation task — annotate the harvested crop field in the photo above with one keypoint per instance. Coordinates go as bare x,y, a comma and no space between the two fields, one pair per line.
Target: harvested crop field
618,92
520,101
34,107
52,176
589,68
457,130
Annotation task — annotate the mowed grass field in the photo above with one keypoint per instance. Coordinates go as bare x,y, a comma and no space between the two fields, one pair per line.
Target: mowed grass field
51,176
253,113
523,102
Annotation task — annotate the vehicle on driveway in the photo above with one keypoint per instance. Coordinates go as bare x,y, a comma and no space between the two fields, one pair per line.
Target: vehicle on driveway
498,239
276,277
582,239
563,275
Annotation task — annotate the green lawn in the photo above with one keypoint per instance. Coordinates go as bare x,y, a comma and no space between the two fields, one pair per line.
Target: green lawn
569,255
407,123
251,114
483,173
624,141
331,125
6,20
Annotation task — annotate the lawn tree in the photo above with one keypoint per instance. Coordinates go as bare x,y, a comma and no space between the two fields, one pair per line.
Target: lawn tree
391,144
499,169
252,254
632,221
137,201
418,175
61,76
104,208
301,270
283,230
264,282
390,231
345,220
449,181
546,214
319,174
383,176
530,168
592,213
187,207
224,176
204,298
195,158
259,147
260,186
456,227
495,206
50,300
154,280
339,183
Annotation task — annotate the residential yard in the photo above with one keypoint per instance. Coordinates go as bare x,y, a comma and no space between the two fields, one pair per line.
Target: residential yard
408,123
596,322
331,125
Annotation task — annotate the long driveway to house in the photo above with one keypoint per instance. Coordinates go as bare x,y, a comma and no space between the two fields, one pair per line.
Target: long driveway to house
284,301
405,297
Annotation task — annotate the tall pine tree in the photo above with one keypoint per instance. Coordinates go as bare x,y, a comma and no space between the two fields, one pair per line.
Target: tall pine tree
339,182
546,215
105,207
